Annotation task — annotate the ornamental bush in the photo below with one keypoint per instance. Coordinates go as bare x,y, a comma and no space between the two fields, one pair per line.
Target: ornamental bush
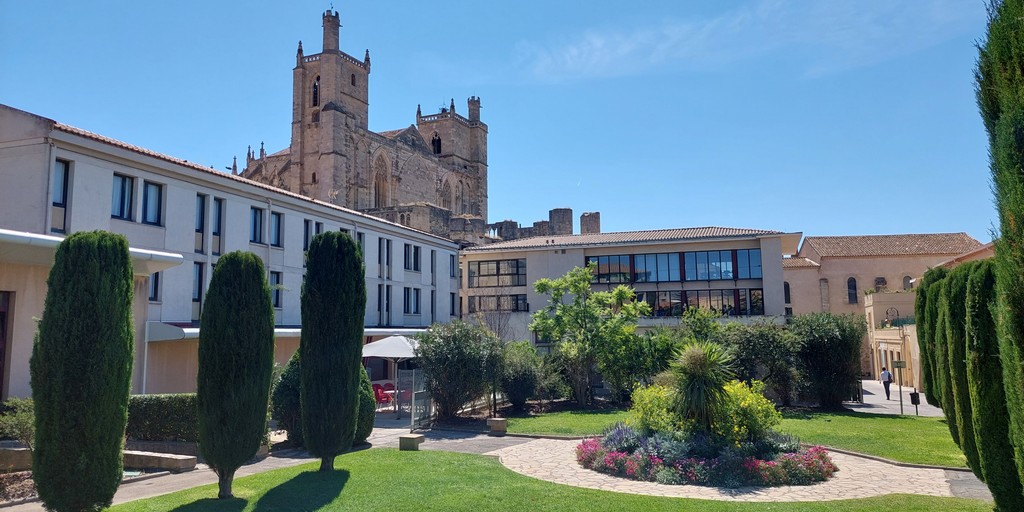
828,354
285,406
17,418
519,373
702,369
746,415
367,409
651,411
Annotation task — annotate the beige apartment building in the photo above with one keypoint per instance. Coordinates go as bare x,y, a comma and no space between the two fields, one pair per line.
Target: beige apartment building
735,272
837,273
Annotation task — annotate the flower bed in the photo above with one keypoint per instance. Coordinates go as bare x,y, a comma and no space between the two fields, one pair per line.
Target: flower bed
663,459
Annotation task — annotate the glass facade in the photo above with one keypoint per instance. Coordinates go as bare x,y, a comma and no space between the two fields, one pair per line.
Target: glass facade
481,303
610,269
656,268
483,274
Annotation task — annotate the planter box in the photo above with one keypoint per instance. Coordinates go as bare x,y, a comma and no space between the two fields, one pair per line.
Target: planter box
15,459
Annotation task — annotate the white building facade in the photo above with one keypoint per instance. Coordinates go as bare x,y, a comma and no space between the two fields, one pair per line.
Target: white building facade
56,179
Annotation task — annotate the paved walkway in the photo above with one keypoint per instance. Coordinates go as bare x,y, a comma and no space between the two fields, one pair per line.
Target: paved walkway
875,402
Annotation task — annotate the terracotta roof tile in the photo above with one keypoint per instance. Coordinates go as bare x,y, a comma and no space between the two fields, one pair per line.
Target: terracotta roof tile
892,245
224,175
799,263
624,237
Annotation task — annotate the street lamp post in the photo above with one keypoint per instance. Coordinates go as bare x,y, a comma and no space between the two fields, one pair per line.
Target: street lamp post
901,364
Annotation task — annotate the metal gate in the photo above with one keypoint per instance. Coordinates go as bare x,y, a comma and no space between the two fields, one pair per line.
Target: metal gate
414,399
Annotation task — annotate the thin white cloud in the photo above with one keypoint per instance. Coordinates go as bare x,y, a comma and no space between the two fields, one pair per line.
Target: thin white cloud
824,36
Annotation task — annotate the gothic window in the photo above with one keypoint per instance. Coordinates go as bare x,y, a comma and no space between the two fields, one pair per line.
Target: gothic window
851,290
785,292
435,144
446,195
316,91
907,284
353,79
380,183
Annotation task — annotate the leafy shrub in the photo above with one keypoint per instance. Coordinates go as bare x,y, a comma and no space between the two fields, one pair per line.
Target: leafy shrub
17,419
668,476
367,409
620,438
285,406
665,447
702,370
763,351
746,415
552,384
171,417
454,357
651,410
520,373
828,354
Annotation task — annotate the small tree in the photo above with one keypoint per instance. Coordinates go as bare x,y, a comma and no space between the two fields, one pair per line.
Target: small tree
455,358
333,307
236,359
585,325
828,353
81,371
520,373
988,400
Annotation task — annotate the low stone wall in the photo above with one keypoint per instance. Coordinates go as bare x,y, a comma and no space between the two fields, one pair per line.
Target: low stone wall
15,459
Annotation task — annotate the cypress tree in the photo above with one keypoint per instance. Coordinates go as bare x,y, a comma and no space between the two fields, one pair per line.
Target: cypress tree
333,306
956,344
985,382
1000,94
236,359
941,352
81,371
925,309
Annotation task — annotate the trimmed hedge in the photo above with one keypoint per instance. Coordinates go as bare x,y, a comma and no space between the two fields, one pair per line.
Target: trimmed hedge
956,345
173,417
367,409
926,307
988,399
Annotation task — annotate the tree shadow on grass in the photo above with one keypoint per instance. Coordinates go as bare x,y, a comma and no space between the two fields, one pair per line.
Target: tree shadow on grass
214,504
310,491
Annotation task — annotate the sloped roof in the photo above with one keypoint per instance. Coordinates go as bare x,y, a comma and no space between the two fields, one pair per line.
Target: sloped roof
799,263
224,175
625,237
891,245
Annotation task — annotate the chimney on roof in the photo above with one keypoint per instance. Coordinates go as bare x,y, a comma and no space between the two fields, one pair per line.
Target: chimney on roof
590,223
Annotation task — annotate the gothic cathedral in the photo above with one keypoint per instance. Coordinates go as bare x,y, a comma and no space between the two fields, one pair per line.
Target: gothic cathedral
430,176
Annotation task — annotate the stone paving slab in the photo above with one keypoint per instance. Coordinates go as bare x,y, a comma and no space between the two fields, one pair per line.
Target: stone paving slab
555,461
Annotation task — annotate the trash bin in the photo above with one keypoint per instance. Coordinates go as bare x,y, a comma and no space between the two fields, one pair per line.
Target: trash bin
915,398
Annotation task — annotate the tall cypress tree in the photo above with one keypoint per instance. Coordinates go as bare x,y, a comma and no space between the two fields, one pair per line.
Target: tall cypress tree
81,371
926,310
236,359
1000,94
985,382
942,375
956,344
333,306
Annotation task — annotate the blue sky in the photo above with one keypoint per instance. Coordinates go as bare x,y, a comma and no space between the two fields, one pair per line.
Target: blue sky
830,118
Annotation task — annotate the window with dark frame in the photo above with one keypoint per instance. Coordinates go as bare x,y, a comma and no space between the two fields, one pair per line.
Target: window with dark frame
484,274
412,257
880,284
488,303
316,91
154,287
59,196
217,229
785,292
275,288
122,198
610,269
197,290
411,303
656,268
452,265
200,223
256,225
851,290
452,304
152,203
276,221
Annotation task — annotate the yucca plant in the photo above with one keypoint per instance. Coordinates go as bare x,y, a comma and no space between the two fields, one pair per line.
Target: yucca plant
702,369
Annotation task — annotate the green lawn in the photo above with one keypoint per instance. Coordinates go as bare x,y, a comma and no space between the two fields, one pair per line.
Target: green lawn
567,423
386,479
911,439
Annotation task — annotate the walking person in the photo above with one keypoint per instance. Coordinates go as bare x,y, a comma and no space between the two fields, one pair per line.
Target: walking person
887,379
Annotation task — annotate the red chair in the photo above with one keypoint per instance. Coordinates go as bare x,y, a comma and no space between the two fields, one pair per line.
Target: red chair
389,386
379,395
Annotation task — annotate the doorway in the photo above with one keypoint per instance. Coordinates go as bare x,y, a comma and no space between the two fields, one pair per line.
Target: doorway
5,308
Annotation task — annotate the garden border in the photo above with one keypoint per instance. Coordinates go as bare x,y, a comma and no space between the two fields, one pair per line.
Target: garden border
140,478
